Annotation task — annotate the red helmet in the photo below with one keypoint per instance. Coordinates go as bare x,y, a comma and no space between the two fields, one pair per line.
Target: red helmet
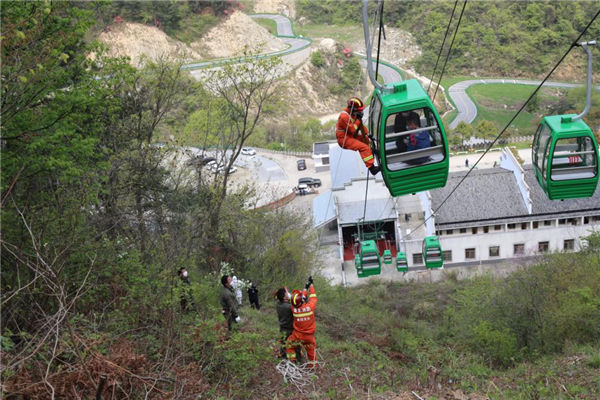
355,104
297,298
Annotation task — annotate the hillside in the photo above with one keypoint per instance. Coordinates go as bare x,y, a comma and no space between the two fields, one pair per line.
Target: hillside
229,38
117,253
138,41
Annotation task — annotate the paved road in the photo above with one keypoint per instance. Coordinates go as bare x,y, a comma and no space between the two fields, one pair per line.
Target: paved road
284,28
467,111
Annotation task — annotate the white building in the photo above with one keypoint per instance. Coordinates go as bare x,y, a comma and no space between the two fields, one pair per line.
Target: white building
495,215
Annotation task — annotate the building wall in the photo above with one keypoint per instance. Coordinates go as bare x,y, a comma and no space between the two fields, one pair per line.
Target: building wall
506,238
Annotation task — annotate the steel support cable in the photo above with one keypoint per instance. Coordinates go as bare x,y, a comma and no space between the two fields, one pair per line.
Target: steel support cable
442,46
449,51
537,89
380,12
336,173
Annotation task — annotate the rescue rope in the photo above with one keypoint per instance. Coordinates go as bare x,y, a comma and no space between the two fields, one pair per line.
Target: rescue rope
320,236
537,89
300,375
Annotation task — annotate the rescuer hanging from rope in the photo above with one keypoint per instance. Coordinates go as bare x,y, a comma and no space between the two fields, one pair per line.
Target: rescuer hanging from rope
304,323
352,134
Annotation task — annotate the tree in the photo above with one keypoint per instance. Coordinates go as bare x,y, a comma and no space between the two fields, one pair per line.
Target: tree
485,129
240,91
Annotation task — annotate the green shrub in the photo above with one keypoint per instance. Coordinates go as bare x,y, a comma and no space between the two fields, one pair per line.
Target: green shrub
317,59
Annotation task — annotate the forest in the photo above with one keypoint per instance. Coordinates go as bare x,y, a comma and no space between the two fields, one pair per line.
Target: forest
97,218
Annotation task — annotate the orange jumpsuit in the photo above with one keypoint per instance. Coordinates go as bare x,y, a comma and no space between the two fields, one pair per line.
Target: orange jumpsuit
356,136
304,328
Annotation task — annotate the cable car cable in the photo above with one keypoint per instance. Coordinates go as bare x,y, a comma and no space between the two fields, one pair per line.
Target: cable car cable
449,51
574,44
336,173
380,12
442,46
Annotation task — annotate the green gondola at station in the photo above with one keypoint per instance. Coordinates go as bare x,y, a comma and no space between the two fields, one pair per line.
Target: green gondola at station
432,252
401,262
367,259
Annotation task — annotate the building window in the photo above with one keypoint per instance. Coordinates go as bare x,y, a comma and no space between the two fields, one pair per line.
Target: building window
511,226
543,247
447,255
474,231
574,221
497,227
463,230
562,221
494,251
325,160
596,218
547,223
524,225
449,231
469,254
586,220
535,224
519,249
417,259
569,244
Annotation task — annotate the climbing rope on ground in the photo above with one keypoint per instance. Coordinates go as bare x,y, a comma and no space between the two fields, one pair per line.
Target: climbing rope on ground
300,375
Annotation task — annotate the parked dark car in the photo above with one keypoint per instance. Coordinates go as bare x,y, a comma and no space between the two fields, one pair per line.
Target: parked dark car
310,182
206,160
301,165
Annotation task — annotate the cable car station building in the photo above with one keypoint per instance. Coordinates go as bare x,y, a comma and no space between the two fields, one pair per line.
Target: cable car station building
496,217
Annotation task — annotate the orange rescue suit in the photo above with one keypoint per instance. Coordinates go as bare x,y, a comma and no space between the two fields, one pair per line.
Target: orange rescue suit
352,134
304,328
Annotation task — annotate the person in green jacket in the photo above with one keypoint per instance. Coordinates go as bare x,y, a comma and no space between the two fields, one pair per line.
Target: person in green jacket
286,319
229,302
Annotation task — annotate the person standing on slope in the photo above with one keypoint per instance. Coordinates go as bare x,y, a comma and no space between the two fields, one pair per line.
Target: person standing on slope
352,134
304,323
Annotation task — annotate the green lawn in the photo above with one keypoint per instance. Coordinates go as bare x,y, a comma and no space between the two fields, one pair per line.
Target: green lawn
342,34
269,24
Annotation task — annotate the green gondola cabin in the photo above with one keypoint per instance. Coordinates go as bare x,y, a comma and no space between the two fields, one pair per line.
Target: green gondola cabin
411,145
367,259
387,257
565,158
432,252
401,262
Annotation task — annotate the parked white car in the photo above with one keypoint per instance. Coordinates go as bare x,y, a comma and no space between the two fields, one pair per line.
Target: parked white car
248,151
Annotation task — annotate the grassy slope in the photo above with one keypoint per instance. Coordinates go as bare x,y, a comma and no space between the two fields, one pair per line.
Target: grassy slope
384,338
269,24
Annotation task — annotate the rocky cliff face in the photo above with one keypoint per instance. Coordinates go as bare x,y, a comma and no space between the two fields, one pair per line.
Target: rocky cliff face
235,34
138,41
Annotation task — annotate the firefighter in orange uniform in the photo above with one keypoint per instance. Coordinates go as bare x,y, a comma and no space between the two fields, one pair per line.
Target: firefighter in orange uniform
352,134
303,310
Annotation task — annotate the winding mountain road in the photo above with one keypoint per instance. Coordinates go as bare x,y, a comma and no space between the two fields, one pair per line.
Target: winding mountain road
467,110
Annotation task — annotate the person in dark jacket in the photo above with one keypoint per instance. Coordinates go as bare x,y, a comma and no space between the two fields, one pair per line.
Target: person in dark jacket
229,302
419,140
253,296
285,317
186,291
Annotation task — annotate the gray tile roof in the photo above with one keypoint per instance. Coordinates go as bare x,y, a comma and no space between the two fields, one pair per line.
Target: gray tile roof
485,194
543,205
377,210
491,196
